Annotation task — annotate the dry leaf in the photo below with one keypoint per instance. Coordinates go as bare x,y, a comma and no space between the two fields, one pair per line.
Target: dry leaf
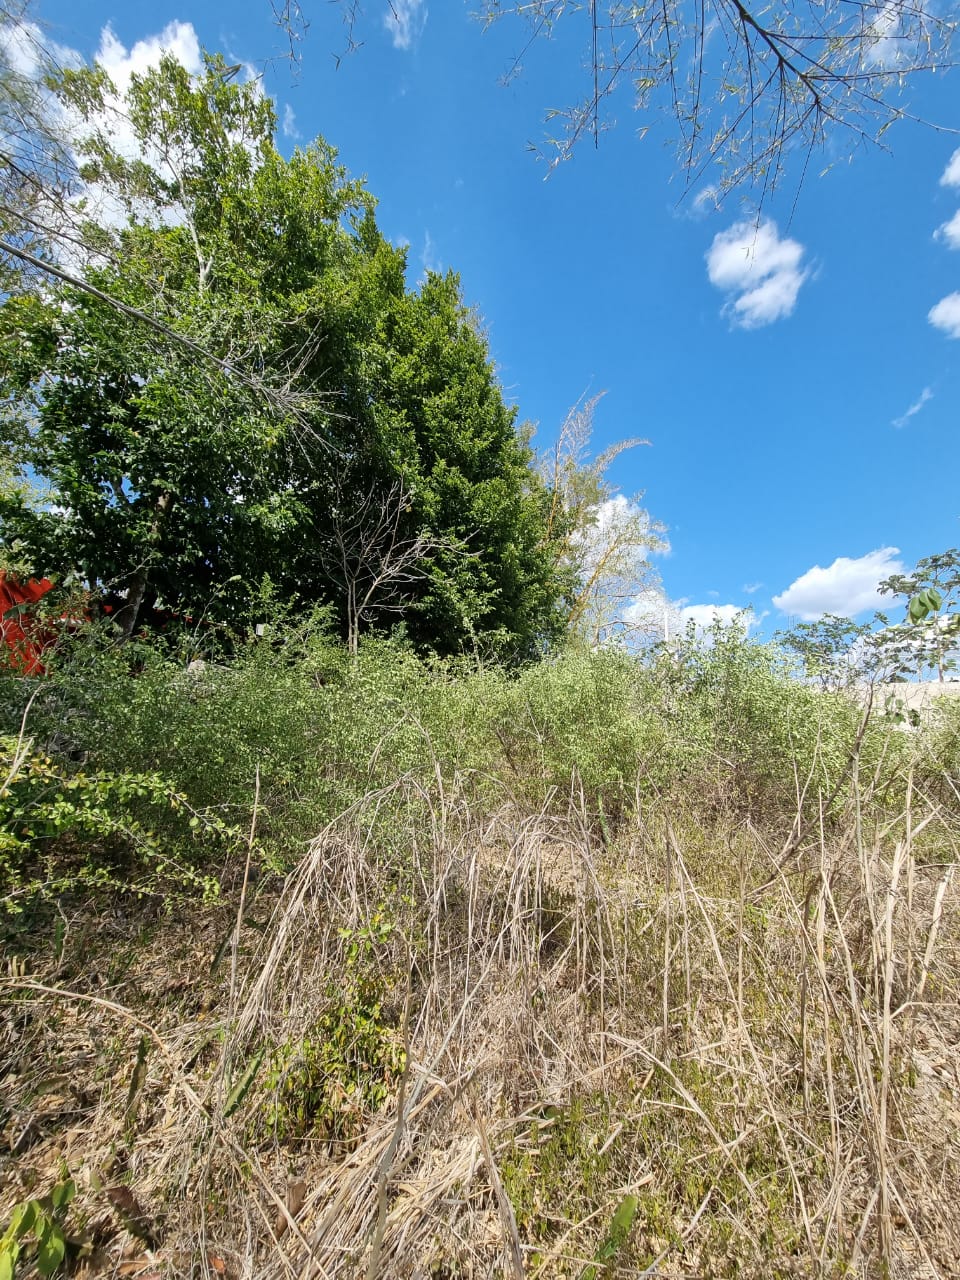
296,1194
132,1215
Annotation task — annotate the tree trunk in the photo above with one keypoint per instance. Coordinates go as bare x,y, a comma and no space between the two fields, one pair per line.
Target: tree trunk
128,616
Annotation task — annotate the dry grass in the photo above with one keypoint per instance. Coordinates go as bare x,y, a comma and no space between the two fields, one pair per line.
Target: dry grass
756,1037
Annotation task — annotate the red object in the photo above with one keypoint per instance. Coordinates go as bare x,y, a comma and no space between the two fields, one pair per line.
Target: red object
20,635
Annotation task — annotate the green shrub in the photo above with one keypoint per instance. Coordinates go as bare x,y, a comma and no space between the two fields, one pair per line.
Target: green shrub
348,1063
62,830
724,723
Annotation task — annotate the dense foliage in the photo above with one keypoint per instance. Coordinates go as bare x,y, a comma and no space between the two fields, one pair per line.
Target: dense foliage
290,407
144,760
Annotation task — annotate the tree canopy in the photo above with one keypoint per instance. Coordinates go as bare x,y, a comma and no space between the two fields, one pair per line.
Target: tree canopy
232,380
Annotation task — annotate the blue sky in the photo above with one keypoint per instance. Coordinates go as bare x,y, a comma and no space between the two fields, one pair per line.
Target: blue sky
802,413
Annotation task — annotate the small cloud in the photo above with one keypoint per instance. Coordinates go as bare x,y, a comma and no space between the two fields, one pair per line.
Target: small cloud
762,272
654,613
950,231
751,588
951,174
706,200
706,616
946,315
429,258
405,21
886,39
289,123
925,395
846,588
27,50
618,514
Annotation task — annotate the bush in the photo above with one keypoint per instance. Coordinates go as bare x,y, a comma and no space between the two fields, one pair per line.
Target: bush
62,831
154,738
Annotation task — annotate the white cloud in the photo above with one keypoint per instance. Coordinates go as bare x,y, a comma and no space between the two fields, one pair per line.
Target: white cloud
946,315
619,521
707,200
288,124
619,514
706,616
177,38
951,174
886,46
925,395
20,48
950,231
751,588
405,20
655,614
25,48
429,258
846,588
761,272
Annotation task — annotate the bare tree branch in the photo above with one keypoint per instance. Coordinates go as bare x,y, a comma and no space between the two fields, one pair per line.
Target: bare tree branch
743,85
371,557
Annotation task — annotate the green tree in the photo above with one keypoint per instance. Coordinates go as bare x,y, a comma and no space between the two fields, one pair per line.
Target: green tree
441,425
242,373
932,624
837,652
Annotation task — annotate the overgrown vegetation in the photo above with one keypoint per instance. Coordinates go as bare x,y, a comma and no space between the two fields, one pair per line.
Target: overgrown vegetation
603,966
353,924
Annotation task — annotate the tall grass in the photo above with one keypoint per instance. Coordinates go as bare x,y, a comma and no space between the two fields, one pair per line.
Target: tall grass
605,969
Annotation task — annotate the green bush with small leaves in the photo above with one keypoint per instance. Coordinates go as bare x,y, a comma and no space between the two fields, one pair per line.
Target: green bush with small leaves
63,829
139,739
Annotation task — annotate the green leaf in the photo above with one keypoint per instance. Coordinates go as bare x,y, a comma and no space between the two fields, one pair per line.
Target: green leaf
51,1249
63,1193
136,1081
242,1087
221,951
24,1218
8,1259
616,1236
918,608
923,603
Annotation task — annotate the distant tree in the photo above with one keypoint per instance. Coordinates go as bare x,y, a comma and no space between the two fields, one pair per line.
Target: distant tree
604,538
837,652
932,624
